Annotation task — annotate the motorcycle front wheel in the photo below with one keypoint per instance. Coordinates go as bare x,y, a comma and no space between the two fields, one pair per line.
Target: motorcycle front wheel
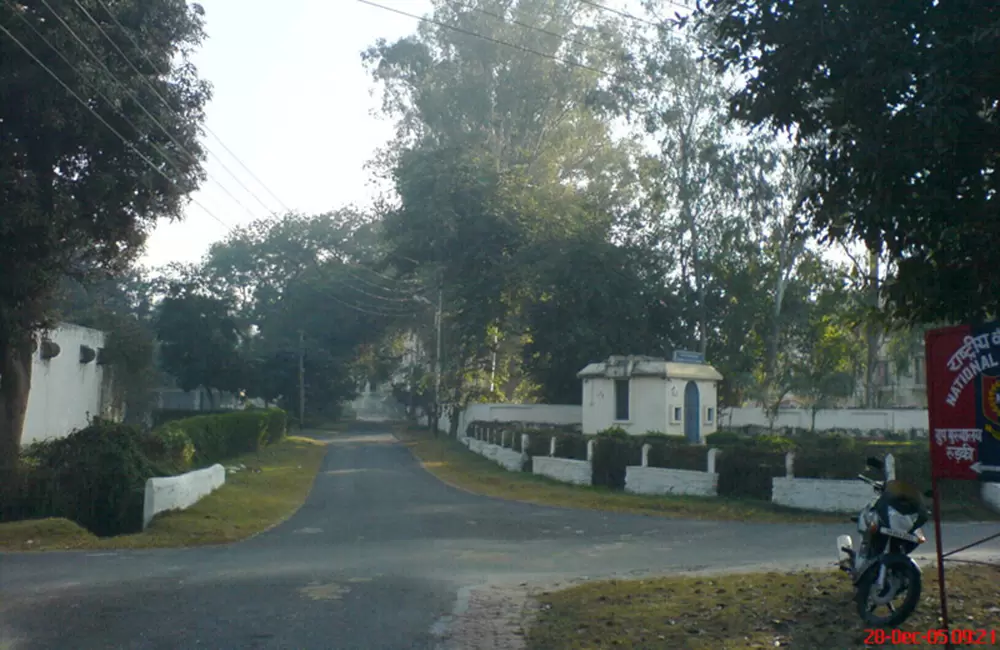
902,581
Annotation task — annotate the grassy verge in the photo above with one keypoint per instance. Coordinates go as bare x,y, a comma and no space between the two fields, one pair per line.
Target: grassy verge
250,502
454,464
803,611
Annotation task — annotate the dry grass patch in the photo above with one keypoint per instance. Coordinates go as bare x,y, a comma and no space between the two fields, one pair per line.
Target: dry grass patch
249,503
456,465
801,611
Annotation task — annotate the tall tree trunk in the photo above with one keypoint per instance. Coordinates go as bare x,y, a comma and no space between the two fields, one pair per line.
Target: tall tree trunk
15,383
686,193
872,334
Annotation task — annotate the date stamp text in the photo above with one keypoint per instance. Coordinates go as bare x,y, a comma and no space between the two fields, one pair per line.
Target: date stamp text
931,637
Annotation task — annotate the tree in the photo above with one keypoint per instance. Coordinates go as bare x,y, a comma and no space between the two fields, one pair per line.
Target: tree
122,307
826,374
595,299
199,341
897,107
679,101
308,274
497,148
76,196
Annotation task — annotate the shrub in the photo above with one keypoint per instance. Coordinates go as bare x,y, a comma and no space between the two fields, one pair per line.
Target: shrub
277,425
724,438
571,445
169,447
747,472
95,477
614,450
218,437
677,453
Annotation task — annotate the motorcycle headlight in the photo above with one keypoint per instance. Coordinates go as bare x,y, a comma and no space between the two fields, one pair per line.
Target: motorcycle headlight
900,522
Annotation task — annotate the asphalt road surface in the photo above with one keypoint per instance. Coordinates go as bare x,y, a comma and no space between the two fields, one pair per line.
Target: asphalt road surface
381,556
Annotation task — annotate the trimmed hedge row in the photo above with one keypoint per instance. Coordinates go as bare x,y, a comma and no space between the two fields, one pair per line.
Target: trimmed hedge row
208,439
97,476
160,417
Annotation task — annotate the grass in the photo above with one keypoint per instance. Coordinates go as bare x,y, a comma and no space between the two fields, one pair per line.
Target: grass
801,611
456,465
248,503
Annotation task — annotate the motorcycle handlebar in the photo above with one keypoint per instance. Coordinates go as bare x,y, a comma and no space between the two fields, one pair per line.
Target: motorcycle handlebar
875,484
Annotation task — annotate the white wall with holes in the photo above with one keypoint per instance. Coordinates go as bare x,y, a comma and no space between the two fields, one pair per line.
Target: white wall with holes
66,390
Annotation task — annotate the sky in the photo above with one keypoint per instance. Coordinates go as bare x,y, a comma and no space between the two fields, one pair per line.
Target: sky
293,102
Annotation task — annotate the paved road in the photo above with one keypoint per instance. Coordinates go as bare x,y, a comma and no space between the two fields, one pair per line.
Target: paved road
381,556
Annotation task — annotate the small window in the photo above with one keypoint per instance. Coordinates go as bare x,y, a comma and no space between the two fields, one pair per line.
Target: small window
676,413
709,415
621,400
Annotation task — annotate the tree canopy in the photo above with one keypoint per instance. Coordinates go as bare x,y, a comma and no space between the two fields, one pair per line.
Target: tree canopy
100,140
896,106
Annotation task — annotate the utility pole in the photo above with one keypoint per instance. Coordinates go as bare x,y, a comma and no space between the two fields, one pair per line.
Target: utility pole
302,379
437,362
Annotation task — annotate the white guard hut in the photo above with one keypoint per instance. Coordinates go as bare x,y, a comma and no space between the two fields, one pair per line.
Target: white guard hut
642,394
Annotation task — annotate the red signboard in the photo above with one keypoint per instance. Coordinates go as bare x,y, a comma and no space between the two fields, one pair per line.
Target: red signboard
963,401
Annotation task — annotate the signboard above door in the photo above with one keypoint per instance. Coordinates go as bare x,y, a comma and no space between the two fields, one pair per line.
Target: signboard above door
686,356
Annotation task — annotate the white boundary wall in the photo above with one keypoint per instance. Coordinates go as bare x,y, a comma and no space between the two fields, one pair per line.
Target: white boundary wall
180,492
643,479
863,419
562,414
577,472
827,495
510,460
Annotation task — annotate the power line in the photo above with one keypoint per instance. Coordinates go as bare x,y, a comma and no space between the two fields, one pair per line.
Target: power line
135,99
375,285
562,37
603,73
90,108
625,14
128,35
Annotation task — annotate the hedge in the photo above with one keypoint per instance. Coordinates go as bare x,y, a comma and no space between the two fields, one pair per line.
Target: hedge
218,437
162,416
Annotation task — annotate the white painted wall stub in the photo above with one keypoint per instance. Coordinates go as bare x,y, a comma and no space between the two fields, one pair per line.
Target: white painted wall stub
180,492
826,495
577,472
658,480
991,495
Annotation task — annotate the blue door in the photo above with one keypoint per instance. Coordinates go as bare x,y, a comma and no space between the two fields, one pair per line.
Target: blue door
692,412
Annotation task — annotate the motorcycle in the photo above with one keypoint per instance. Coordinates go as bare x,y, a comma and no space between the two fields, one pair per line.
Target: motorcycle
881,569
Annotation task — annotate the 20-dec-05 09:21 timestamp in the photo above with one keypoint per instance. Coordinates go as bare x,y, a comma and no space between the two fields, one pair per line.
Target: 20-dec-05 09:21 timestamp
931,637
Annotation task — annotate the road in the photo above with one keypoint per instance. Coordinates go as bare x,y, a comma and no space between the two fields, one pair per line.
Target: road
382,555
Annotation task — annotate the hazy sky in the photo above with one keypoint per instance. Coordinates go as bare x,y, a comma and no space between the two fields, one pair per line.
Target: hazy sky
293,102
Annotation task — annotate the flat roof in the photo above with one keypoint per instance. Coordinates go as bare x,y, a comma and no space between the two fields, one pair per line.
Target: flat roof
649,367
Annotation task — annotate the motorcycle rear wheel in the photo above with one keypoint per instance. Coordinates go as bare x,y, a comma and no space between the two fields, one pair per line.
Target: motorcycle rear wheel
901,569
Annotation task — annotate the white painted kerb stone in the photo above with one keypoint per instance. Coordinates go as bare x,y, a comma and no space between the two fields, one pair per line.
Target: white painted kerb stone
577,472
180,492
828,495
